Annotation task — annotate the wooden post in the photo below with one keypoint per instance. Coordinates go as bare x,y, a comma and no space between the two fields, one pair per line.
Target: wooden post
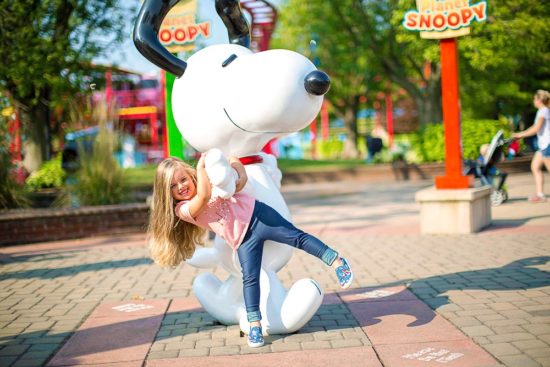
453,179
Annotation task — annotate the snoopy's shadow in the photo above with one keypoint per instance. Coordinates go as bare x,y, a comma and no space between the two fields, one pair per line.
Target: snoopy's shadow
518,275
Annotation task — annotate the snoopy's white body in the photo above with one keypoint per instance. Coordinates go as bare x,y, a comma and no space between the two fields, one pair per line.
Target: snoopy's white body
238,109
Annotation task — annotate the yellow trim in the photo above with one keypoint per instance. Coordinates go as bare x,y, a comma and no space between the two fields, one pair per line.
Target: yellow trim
137,110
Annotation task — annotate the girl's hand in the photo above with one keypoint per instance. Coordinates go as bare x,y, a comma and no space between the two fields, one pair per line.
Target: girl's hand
241,182
204,190
203,182
241,172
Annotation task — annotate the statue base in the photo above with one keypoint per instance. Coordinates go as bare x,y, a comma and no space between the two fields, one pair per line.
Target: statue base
454,211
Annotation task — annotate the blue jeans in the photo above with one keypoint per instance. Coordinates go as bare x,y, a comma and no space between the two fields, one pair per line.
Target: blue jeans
267,224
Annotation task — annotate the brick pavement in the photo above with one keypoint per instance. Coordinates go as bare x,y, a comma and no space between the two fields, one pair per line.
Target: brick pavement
494,287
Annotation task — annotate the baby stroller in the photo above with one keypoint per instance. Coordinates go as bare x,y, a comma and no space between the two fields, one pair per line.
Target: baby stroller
484,168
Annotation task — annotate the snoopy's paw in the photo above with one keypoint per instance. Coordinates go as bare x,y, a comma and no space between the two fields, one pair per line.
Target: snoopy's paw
270,163
221,174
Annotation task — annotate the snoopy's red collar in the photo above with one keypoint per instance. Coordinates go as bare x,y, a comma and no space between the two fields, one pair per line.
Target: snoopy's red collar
251,159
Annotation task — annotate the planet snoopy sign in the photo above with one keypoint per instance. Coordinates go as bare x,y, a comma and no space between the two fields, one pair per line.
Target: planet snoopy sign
438,19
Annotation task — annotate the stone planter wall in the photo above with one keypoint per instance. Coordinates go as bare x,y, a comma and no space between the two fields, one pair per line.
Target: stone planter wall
40,225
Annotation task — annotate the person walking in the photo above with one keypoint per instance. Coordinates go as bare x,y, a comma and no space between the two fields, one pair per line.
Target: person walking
541,128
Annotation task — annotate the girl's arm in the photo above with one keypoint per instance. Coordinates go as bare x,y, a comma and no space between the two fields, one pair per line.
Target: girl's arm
531,130
199,201
241,171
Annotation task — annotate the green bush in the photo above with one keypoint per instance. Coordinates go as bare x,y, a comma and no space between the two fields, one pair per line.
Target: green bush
431,143
50,175
330,149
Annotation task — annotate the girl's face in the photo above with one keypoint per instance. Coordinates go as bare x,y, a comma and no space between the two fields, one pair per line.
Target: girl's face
537,102
182,186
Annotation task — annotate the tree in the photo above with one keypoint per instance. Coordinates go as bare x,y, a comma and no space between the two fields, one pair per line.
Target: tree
502,62
47,47
506,59
358,44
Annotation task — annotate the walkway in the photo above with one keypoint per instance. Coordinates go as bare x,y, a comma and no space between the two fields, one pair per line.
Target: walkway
463,300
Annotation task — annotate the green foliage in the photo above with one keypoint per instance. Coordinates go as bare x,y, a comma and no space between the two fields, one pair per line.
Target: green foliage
362,44
330,149
50,175
100,180
431,140
478,132
432,143
47,48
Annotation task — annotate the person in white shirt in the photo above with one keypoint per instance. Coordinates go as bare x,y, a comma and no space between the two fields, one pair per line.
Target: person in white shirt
541,127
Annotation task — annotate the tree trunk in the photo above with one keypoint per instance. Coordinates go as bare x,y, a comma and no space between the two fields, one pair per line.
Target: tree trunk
37,129
350,125
429,106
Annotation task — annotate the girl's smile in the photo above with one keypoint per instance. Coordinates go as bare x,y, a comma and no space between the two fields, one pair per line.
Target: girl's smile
182,186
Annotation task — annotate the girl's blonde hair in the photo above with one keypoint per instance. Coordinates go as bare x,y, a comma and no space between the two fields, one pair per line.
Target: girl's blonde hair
543,96
171,240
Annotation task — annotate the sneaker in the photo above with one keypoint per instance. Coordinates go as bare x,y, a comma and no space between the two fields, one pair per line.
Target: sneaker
255,337
537,199
344,274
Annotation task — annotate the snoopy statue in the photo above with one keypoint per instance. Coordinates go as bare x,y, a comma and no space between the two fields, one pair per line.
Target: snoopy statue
229,101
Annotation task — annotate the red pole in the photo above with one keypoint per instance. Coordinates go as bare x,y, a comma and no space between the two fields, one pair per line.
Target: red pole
453,179
313,133
153,127
324,121
108,87
389,116
163,122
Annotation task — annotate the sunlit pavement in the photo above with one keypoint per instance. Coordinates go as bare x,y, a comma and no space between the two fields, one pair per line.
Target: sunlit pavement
417,300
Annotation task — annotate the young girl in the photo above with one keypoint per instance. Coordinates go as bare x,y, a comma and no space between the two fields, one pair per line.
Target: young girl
183,210
541,128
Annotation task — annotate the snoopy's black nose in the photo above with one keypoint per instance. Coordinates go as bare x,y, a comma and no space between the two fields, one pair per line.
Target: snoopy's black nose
317,83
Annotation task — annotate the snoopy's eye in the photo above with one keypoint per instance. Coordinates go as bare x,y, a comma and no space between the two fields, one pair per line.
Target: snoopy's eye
229,60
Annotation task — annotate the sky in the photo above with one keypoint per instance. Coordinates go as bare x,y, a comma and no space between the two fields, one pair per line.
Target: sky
127,56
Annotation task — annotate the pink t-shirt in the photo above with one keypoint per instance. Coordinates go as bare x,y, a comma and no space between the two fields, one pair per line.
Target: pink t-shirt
228,218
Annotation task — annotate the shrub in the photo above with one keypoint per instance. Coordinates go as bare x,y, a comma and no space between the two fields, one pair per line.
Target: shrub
431,144
331,148
50,175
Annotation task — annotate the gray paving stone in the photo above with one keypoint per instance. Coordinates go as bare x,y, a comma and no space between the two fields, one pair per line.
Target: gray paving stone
163,354
477,331
507,338
225,350
519,360
502,349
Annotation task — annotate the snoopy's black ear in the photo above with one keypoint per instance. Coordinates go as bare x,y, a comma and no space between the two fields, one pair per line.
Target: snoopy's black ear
235,22
146,38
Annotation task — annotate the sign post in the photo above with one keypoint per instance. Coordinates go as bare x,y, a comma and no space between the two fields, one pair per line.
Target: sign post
453,179
462,209
445,20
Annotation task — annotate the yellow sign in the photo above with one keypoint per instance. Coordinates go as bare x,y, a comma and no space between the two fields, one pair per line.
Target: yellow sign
438,19
179,30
